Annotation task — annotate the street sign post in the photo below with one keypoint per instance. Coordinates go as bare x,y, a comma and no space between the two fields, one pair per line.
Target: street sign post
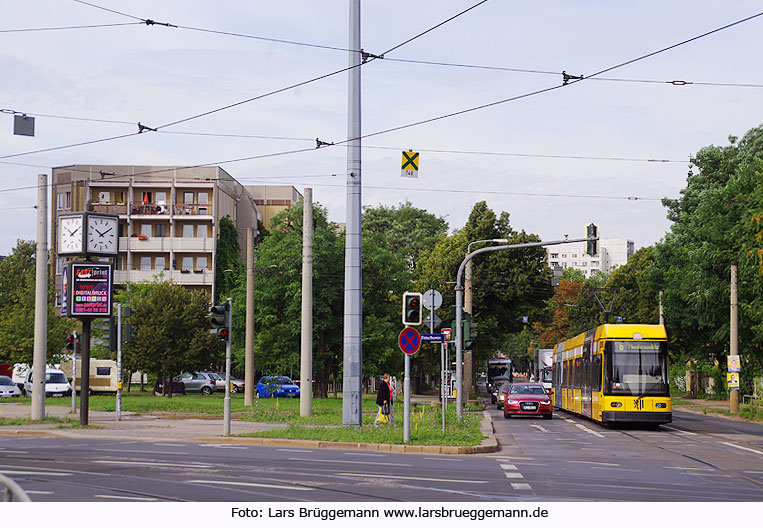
432,299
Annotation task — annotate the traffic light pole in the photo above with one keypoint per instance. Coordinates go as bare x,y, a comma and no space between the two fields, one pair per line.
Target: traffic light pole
226,404
119,363
74,373
460,305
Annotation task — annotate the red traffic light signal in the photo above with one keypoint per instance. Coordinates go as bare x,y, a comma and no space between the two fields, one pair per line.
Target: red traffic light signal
412,309
220,318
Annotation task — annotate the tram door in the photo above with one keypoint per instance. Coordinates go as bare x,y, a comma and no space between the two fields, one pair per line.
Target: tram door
585,386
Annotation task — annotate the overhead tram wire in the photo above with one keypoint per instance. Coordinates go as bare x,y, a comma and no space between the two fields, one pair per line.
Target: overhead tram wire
66,28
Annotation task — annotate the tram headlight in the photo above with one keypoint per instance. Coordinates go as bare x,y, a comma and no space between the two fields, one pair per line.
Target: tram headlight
661,405
616,405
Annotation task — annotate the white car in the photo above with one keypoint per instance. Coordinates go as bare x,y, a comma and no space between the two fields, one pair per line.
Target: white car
56,384
8,389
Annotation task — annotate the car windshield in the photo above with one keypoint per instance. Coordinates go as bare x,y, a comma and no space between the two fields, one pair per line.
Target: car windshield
527,389
5,380
55,377
283,380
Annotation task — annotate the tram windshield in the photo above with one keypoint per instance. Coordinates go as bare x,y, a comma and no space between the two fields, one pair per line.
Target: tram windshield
636,368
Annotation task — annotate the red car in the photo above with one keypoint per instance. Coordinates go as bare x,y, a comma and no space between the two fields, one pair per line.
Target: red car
527,399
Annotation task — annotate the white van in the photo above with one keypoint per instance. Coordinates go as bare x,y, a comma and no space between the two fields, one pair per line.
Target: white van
56,384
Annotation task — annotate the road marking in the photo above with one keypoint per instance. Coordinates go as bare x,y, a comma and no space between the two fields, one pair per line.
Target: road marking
618,469
141,451
690,468
171,445
520,486
509,457
250,484
443,459
587,430
508,466
348,462
156,464
754,472
9,452
36,473
532,464
514,475
31,492
669,428
365,454
223,446
397,477
540,428
296,450
596,463
122,497
741,447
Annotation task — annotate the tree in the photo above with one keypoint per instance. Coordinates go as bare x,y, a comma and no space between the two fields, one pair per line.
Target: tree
17,308
170,329
556,325
228,266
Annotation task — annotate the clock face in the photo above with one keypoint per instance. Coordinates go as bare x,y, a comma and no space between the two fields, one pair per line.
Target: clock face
102,234
70,235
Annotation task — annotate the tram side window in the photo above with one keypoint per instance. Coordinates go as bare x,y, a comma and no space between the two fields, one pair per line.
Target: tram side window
596,373
578,372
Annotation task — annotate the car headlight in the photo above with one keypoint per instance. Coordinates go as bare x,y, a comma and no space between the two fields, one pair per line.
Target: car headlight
513,402
547,402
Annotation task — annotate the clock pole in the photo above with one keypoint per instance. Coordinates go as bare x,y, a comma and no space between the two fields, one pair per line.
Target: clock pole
85,375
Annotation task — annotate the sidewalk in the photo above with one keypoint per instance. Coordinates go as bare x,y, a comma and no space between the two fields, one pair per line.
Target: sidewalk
176,428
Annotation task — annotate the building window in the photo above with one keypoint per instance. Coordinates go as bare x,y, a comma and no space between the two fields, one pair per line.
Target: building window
161,198
203,198
594,263
67,200
187,263
574,255
145,229
159,263
201,262
574,263
554,263
59,201
188,231
554,255
119,197
584,264
145,263
564,255
59,265
188,198
160,230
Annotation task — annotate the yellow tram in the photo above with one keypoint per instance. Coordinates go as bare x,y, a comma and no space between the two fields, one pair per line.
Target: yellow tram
614,373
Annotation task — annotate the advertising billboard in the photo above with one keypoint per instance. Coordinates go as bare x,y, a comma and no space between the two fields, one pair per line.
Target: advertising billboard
90,287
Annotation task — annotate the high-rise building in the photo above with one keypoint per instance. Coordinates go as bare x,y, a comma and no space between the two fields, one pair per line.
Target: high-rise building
168,217
612,252
272,199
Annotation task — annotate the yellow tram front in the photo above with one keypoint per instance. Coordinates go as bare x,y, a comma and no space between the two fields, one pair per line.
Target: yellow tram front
615,374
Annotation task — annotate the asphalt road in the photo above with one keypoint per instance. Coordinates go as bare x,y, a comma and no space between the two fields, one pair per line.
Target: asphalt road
696,458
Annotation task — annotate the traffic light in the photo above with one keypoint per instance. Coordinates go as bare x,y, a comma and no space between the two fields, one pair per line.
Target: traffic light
127,335
70,342
592,246
469,333
220,320
113,333
411,309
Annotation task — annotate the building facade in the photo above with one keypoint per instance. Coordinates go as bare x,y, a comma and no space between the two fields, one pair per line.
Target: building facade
168,217
612,252
272,199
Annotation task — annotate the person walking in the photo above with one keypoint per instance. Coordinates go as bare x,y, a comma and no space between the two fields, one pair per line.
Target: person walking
384,401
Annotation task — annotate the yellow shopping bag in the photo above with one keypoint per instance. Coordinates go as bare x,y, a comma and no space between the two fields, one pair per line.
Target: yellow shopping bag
382,418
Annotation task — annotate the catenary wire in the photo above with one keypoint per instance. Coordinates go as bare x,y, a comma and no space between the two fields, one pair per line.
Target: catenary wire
65,28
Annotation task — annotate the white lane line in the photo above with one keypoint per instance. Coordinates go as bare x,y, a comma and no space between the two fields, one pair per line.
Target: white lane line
155,464
532,464
9,452
690,468
540,428
364,454
223,446
36,473
170,445
348,462
669,428
596,463
123,497
742,447
520,486
32,492
617,469
249,484
508,466
140,451
509,457
397,477
587,430
754,472
296,450
443,459
514,476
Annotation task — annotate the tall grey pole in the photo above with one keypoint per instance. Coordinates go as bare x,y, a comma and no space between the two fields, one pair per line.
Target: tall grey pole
84,392
442,384
306,349
39,363
249,346
352,410
226,403
407,400
74,373
119,363
734,334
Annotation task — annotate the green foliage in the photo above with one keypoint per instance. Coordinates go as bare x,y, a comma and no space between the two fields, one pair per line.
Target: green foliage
229,269
17,309
170,327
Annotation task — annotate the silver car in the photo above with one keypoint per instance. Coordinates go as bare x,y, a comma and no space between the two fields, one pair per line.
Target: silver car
8,389
237,385
202,382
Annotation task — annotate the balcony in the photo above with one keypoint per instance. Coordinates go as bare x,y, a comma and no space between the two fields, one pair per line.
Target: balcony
186,210
190,278
149,209
167,244
120,209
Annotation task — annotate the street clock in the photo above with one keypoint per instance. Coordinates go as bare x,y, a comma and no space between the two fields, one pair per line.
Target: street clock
70,234
102,234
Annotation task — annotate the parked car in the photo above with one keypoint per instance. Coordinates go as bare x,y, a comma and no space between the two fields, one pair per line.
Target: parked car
278,386
501,395
202,382
237,385
56,383
496,384
177,387
527,399
8,389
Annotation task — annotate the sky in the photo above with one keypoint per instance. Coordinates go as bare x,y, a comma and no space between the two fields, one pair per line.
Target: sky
555,161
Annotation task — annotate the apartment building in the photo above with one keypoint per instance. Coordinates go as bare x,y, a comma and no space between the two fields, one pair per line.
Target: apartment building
612,252
272,199
168,217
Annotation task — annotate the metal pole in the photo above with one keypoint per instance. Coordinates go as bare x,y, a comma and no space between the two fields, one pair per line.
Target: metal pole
306,349
407,400
460,303
119,362
352,410
74,374
249,346
442,384
84,393
734,334
226,404
39,363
